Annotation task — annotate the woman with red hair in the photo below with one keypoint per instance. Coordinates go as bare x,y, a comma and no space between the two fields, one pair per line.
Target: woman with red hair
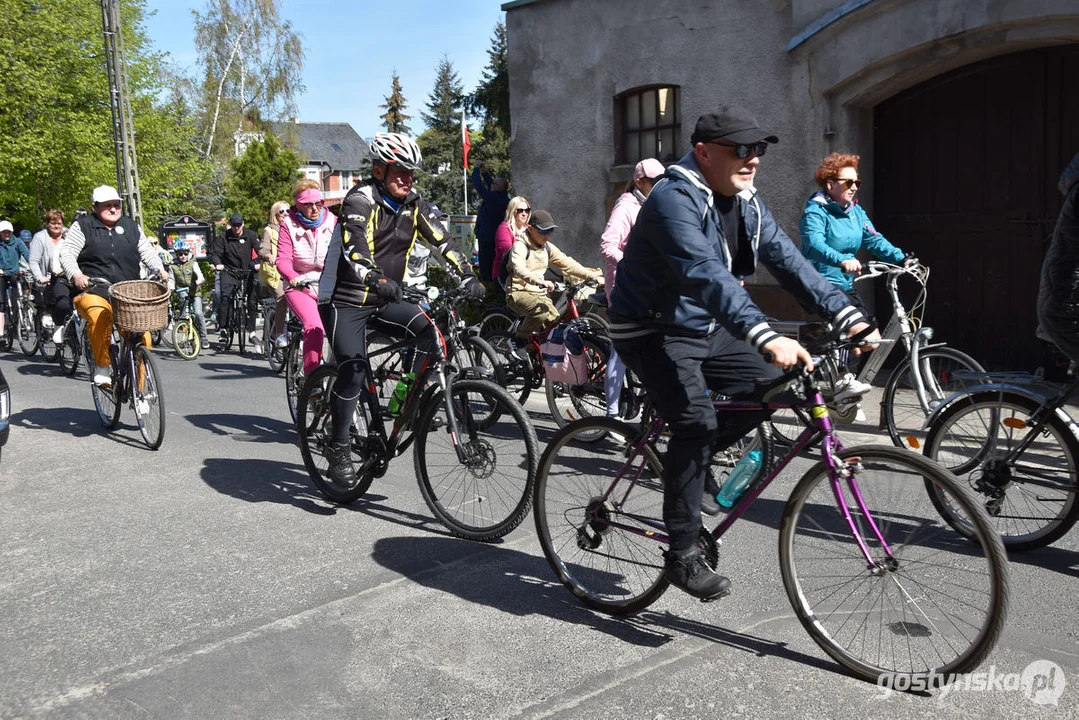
834,228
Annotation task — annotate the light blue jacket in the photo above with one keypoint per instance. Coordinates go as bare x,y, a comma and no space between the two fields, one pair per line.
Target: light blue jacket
10,252
831,235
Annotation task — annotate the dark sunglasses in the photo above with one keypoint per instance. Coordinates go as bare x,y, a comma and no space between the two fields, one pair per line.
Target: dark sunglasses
524,210
282,212
847,182
743,151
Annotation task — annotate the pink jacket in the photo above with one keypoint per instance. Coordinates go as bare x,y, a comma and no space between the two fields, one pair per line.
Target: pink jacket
504,239
615,234
301,253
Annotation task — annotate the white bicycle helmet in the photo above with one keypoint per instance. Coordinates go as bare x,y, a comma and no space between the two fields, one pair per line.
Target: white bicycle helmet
394,148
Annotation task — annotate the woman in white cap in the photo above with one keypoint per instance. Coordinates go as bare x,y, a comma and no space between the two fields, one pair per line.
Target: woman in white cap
11,249
624,214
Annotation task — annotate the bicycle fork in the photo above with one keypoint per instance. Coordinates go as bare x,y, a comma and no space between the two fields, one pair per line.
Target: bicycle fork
445,385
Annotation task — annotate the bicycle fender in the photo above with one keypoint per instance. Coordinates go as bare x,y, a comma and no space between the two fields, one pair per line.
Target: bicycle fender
991,387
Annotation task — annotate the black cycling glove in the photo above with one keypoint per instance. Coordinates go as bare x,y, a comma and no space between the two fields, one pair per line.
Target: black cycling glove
475,288
386,290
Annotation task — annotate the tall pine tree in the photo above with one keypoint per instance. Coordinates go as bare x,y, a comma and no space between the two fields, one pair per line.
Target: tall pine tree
441,141
394,119
491,101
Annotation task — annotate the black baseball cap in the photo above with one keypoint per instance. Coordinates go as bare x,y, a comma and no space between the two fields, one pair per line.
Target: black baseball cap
236,219
542,220
732,123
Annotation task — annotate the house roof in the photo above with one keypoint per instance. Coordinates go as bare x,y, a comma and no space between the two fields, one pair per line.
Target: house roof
517,3
335,144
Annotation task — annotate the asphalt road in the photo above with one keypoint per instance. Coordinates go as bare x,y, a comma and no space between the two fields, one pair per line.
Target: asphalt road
209,579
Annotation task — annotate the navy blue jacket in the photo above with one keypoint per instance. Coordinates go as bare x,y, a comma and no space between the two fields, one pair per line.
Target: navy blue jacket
493,209
676,274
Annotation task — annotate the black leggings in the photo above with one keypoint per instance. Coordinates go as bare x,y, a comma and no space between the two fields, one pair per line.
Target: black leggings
346,327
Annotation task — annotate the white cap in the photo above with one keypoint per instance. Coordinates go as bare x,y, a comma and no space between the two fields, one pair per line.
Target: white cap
5,225
104,193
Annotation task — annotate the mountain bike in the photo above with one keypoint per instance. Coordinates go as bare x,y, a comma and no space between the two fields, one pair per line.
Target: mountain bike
876,577
919,383
238,312
475,473
135,377
1014,443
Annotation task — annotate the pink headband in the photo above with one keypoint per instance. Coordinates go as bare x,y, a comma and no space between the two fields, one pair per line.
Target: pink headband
310,195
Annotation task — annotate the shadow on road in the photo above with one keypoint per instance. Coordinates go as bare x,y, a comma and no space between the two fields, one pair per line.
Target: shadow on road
1051,558
222,370
40,368
76,422
519,584
246,428
254,480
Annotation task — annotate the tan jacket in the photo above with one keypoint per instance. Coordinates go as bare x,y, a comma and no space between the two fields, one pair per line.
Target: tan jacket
529,261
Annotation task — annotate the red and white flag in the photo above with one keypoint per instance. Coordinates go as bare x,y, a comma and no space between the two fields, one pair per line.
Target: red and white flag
466,142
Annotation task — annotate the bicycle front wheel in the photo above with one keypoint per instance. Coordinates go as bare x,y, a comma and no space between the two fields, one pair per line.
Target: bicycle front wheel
50,351
69,352
186,340
294,378
944,371
1031,499
488,494
496,321
148,397
27,330
927,603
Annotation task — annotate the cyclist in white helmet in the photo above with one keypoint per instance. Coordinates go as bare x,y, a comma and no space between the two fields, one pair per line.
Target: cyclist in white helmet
383,220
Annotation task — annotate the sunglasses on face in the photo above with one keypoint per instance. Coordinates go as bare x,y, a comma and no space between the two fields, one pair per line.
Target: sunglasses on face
524,210
282,212
848,182
743,151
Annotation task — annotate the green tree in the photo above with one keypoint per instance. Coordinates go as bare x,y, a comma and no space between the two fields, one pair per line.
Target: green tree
394,118
441,182
491,102
56,145
260,177
252,65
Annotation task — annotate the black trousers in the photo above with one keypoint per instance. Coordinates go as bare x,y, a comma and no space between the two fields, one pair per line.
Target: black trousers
346,327
677,372
230,285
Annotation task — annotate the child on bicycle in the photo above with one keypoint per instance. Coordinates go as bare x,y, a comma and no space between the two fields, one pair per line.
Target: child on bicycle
528,288
186,273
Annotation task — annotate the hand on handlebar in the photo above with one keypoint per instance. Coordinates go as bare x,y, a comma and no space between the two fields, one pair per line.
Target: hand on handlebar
851,266
785,353
550,286
81,281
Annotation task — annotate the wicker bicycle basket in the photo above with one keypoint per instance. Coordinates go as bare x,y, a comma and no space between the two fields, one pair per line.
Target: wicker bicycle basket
140,305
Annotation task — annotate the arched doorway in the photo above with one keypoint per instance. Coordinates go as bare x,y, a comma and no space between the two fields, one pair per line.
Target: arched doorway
965,172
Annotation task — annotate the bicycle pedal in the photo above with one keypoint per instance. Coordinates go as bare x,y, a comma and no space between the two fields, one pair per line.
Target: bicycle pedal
716,597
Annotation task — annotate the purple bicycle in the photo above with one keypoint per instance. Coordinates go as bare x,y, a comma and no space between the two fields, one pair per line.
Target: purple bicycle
876,576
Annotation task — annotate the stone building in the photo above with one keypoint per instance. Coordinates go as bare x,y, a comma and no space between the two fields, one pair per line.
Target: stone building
960,110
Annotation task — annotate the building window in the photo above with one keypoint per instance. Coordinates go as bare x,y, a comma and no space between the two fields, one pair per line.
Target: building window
336,147
648,123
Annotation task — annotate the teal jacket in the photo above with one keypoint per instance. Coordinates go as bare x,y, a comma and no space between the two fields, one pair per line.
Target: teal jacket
831,235
10,252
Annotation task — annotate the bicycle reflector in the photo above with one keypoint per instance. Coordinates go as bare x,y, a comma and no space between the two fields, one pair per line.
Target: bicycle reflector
1015,423
913,443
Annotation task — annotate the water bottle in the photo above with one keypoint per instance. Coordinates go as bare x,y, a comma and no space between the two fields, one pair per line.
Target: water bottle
397,400
738,480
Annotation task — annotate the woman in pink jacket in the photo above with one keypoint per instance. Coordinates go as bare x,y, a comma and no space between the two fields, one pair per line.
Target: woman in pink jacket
303,237
613,240
510,231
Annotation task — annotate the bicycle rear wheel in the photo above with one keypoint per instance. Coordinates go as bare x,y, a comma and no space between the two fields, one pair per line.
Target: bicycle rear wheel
496,321
1032,501
489,495
932,607
589,399
944,371
185,340
517,373
149,400
316,432
577,502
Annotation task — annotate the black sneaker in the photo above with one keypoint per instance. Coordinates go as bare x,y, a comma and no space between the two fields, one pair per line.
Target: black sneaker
340,471
689,571
709,505
518,348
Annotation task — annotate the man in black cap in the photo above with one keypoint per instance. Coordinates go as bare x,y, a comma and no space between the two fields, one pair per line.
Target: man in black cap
527,288
233,257
683,322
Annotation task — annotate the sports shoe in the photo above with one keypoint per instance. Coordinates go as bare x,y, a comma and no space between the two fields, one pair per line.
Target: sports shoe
848,387
518,348
860,416
254,338
689,571
340,470
142,406
709,504
103,375
223,338
58,335
281,340
47,322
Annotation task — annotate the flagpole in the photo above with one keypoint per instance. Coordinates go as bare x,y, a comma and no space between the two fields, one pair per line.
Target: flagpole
464,168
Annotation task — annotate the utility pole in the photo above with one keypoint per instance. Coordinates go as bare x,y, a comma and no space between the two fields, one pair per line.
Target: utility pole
123,131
